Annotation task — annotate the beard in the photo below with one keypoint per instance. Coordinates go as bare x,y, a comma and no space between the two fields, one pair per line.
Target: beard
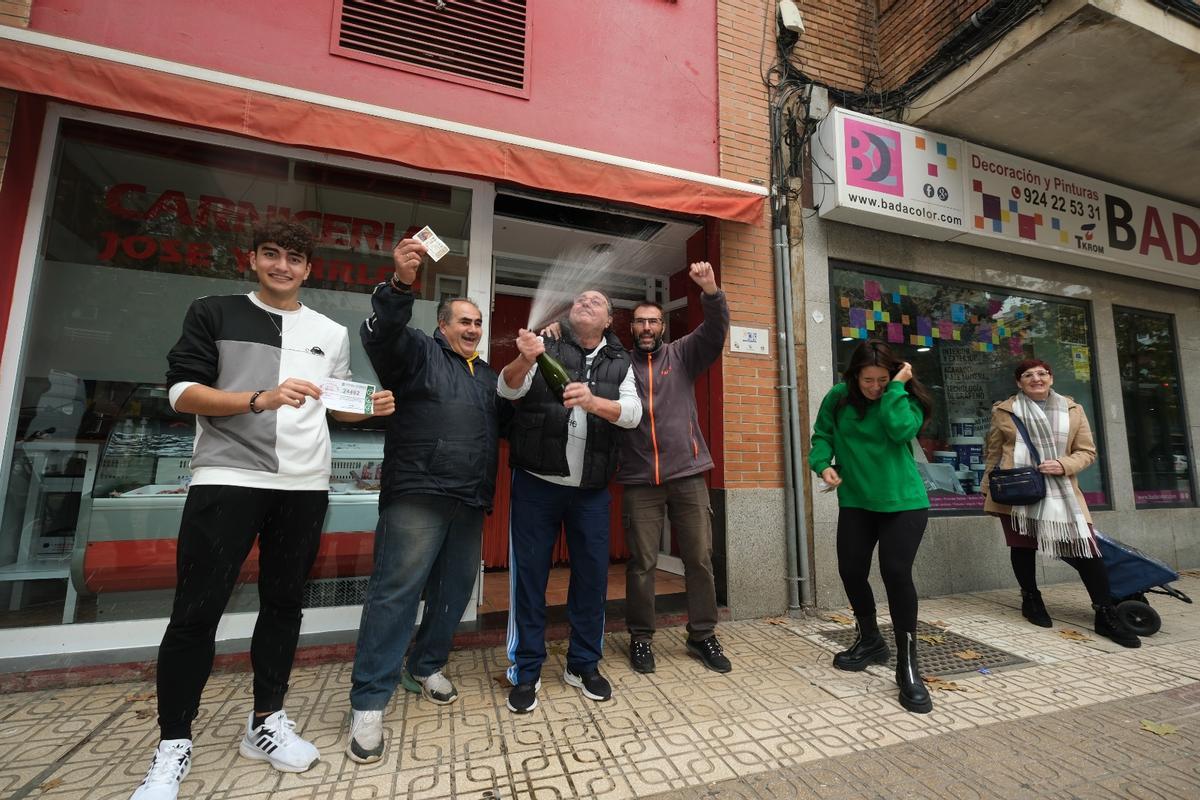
649,345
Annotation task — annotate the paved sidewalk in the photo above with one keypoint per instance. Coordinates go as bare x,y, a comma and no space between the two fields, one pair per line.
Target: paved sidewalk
783,724
1101,751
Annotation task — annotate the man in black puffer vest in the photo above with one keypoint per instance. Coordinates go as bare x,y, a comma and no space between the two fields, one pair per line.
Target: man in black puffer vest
563,455
439,474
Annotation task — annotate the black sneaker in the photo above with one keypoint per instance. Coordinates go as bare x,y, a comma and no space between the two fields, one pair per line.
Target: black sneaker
522,698
641,657
593,685
709,651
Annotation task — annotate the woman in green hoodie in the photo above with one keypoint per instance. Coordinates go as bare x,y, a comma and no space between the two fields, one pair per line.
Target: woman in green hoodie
861,445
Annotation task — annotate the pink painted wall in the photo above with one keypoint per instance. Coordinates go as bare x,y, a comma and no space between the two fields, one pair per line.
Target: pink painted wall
635,78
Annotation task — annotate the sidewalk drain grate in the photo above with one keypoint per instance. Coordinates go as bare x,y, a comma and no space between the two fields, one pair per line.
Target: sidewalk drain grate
936,658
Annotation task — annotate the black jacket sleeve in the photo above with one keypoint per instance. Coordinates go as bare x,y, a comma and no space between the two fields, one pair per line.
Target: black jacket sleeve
396,351
194,357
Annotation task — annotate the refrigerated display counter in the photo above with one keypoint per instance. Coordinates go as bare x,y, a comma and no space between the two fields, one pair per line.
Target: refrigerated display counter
129,520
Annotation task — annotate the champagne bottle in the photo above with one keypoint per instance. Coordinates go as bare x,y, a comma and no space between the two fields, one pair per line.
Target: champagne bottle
554,373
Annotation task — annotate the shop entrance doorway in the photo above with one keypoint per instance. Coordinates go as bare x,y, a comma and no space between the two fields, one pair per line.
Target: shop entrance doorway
650,258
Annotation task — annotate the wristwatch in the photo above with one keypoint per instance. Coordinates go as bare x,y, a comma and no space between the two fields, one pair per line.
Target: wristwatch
254,397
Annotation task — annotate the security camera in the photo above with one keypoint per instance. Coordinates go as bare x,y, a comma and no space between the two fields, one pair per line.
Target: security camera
789,15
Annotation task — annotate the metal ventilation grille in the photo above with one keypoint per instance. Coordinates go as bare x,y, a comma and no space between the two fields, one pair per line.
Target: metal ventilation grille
479,42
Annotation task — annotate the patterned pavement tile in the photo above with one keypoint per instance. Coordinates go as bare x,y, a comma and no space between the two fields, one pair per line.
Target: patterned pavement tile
1098,751
784,724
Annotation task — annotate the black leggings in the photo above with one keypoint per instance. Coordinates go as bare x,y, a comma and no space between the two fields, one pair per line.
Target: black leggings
898,534
1091,572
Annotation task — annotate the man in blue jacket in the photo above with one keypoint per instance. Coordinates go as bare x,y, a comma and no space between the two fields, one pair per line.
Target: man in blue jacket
663,462
439,475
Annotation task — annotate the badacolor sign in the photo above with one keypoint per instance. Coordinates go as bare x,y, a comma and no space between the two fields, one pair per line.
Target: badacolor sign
894,177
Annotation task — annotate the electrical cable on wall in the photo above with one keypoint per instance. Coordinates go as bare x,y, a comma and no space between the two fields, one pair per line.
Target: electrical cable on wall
790,88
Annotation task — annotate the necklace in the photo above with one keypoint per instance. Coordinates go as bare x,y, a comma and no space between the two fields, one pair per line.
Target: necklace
275,324
316,351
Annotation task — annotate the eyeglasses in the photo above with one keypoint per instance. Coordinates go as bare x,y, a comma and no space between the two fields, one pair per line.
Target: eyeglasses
647,322
1034,373
594,302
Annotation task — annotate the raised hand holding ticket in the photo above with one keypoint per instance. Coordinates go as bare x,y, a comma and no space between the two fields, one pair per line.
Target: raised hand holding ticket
434,246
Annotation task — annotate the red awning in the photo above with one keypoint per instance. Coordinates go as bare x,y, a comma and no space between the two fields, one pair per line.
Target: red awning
105,83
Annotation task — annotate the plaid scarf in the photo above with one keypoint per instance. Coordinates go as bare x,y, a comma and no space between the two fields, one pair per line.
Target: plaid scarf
1057,520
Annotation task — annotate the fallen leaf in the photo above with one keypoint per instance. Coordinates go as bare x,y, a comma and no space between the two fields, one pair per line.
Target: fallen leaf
140,696
969,655
943,685
1160,728
144,713
1191,573
777,620
53,783
1073,635
840,619
502,679
938,623
931,638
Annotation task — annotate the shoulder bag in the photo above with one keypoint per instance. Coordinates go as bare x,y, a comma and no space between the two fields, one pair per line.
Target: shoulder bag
1020,486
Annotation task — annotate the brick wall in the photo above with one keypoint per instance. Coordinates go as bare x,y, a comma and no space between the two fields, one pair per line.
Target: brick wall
12,12
753,435
910,32
856,44
15,12
836,47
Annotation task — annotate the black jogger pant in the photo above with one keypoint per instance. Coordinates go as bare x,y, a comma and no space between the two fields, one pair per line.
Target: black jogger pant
898,534
220,525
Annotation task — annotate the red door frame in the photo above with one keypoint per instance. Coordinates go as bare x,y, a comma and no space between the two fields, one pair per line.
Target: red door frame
19,167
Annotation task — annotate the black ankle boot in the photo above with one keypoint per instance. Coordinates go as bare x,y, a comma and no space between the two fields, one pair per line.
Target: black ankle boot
1110,624
869,648
1034,610
913,694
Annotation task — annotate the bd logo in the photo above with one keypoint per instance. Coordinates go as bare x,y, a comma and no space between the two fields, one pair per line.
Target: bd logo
873,158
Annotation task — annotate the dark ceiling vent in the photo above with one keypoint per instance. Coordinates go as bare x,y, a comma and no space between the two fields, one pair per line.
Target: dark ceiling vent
481,43
581,219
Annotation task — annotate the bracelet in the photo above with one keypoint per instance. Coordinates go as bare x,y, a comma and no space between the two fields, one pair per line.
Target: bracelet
254,397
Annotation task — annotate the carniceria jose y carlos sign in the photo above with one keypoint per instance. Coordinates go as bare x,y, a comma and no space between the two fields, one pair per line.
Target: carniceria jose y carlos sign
883,175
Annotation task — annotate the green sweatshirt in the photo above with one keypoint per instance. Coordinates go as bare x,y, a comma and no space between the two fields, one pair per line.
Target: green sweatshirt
873,454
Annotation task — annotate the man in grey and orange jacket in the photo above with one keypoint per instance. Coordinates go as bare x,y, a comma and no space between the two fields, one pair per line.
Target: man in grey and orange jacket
663,462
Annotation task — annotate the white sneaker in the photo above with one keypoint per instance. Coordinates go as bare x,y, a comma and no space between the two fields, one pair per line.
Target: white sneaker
171,764
366,736
437,688
276,741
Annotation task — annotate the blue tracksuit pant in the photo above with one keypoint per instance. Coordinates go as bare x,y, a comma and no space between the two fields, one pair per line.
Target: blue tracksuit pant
539,510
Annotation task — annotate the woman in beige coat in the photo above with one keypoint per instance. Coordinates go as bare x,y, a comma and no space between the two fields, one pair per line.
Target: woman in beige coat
1059,525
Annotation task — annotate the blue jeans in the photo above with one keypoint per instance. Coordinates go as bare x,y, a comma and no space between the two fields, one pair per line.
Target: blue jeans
541,509
422,542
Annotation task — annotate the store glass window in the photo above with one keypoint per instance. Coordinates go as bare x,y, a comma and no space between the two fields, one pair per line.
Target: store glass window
1159,455
963,342
97,464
